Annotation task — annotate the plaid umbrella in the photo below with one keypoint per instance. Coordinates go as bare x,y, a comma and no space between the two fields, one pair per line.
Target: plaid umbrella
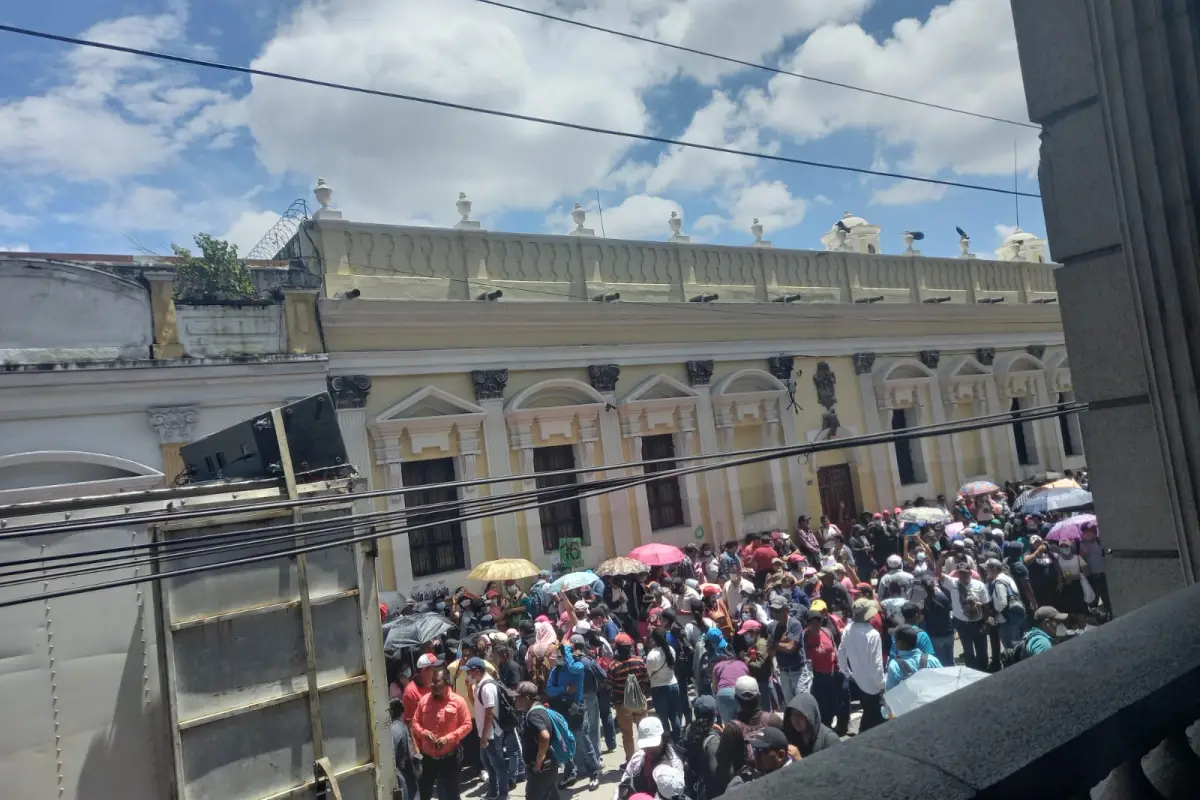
1042,501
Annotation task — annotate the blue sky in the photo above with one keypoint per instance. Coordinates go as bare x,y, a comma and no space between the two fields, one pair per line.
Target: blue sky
107,153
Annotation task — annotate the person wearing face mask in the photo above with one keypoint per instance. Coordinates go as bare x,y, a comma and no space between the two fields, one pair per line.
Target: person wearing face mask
1044,577
1072,567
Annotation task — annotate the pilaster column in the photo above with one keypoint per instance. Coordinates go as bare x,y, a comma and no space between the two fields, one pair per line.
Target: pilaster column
174,426
770,438
468,452
521,436
951,464
300,318
795,471
162,311
349,394
595,548
864,363
688,448
631,428
725,434
1005,453
489,392
401,557
719,523
618,502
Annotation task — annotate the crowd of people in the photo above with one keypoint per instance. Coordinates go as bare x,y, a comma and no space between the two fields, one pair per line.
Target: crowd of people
731,663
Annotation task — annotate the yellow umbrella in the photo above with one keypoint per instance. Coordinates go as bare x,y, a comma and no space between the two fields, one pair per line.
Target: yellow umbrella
504,569
1061,483
622,565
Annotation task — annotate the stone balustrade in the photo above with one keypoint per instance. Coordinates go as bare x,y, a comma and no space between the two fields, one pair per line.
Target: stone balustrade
398,262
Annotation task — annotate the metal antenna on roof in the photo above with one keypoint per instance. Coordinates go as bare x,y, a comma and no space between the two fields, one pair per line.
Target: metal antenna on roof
601,210
1016,200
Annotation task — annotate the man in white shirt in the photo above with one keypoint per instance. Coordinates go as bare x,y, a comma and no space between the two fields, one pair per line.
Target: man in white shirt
860,658
491,738
736,589
968,599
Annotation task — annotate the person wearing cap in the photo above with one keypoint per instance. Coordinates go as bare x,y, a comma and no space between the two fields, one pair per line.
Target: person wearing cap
769,751
669,782
909,659
749,717
440,725
969,601
785,635
1040,637
536,731
860,658
832,591
418,687
654,751
1009,613
486,708
472,757
896,574
820,648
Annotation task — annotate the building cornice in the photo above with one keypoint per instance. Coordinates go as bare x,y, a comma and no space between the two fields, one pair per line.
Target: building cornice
441,361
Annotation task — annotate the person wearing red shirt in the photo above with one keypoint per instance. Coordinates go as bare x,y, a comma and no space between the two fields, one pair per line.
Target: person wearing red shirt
762,557
821,650
418,687
441,723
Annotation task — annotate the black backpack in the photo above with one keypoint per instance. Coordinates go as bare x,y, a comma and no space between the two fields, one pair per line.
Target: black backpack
1012,655
506,712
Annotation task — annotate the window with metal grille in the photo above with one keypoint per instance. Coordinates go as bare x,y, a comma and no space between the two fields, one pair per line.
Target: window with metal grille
663,496
438,548
562,519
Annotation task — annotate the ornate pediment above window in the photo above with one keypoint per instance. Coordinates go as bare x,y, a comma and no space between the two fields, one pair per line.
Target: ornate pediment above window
747,396
899,383
659,402
560,407
426,424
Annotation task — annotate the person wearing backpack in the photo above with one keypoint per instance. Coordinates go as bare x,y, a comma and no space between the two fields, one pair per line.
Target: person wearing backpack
1009,613
629,682
909,659
490,715
537,736
565,688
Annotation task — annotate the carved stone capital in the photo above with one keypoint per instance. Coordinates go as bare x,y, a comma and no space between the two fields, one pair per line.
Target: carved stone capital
930,358
986,356
699,372
863,363
604,377
781,367
1036,350
173,424
349,391
489,383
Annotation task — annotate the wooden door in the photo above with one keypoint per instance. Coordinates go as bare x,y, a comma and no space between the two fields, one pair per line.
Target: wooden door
837,495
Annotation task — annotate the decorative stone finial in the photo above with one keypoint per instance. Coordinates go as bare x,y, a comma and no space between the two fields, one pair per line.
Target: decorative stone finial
578,215
756,228
464,210
324,194
964,245
908,243
675,223
842,233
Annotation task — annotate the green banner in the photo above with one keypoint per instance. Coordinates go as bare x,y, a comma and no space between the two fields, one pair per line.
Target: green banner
570,553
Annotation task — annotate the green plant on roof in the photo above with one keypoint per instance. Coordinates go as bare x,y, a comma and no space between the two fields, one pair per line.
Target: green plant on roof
216,275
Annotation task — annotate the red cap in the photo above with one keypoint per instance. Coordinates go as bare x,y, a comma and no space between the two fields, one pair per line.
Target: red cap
794,557
877,515
897,510
710,589
623,640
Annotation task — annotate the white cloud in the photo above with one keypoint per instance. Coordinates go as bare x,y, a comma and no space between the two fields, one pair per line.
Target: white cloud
10,220
1004,231
113,115
964,55
395,160
908,193
14,248
822,200
249,228
639,216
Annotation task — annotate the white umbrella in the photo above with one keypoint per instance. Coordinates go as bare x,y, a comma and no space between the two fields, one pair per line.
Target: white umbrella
927,685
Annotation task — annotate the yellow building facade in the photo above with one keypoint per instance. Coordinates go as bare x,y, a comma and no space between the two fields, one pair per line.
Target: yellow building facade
462,354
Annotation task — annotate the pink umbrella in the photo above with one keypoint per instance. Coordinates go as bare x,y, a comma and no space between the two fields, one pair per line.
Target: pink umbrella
953,528
1071,528
657,555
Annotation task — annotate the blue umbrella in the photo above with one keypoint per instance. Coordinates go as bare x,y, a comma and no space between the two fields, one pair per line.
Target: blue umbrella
573,580
1042,501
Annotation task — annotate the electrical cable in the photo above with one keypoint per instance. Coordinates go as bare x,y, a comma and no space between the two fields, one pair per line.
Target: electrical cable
641,137
755,65
961,426
174,516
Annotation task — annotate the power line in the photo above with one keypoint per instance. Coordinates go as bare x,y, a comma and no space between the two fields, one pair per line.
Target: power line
756,65
913,433
642,137
195,513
